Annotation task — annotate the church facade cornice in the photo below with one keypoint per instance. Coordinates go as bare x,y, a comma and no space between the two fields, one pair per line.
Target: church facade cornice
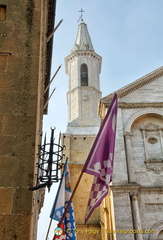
138,105
105,102
123,105
138,84
135,188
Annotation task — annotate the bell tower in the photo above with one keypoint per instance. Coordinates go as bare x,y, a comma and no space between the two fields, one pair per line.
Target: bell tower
83,67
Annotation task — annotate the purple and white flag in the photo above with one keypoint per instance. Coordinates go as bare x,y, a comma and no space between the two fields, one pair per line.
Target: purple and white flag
100,159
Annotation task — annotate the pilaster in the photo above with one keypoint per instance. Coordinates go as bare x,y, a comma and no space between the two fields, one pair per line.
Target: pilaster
129,157
136,215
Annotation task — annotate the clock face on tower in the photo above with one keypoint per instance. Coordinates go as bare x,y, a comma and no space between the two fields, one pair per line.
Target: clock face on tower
85,98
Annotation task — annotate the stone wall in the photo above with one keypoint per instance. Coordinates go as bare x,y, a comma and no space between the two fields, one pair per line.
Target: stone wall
76,149
21,91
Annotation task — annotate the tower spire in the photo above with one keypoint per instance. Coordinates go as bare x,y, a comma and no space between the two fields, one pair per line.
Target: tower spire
83,40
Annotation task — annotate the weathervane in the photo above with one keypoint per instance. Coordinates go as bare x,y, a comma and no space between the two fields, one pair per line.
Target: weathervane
81,15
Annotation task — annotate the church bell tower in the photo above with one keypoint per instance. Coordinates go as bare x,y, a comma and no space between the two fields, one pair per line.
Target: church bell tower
83,67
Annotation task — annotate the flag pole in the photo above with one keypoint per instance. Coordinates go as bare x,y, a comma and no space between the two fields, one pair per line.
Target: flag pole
72,195
69,202
49,229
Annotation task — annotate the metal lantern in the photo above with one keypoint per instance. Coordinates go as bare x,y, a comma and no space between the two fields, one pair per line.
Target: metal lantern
49,163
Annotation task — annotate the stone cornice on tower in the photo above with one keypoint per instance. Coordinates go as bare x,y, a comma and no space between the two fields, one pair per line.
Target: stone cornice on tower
87,87
82,53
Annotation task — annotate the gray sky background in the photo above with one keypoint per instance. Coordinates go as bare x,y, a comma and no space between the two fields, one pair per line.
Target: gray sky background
127,34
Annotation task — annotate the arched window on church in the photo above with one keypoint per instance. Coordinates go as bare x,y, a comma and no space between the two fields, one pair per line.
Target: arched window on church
84,75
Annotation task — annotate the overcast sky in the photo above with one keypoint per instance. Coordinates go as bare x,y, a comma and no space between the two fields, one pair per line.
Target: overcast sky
127,34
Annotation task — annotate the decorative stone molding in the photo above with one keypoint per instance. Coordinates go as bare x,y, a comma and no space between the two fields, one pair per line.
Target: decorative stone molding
87,87
150,127
155,166
139,83
129,188
158,227
105,209
134,195
125,105
128,134
75,54
153,189
152,136
140,113
134,85
102,224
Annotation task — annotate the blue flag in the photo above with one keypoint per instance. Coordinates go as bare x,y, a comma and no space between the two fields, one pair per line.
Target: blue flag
61,200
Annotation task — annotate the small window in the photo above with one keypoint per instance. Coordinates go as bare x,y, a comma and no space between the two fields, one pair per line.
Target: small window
84,75
2,13
152,140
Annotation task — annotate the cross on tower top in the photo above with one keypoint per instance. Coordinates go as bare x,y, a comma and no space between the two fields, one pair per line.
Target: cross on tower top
81,15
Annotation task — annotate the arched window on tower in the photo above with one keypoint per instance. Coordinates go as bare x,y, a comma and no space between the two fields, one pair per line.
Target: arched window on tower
84,75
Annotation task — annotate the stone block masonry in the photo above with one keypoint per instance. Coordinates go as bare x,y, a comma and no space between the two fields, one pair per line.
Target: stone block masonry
22,73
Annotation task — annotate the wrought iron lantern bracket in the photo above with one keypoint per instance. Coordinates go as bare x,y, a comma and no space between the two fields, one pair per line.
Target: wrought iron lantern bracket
49,163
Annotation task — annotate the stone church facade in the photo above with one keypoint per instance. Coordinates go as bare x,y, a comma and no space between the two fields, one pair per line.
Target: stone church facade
136,191
135,200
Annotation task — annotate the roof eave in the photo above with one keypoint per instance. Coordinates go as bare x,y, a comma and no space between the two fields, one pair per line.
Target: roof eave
50,27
